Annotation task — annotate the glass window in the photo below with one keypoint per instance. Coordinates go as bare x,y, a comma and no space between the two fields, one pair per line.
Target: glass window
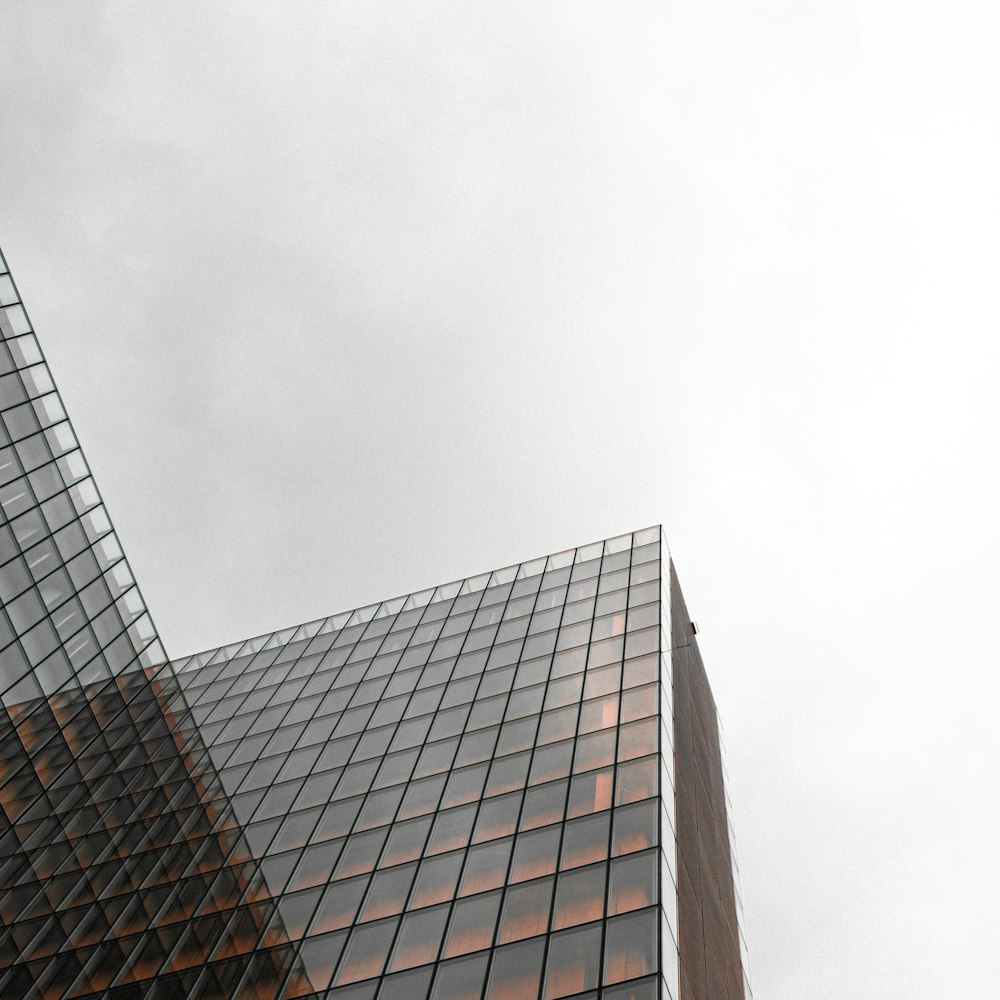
607,626
638,739
339,905
634,828
464,785
562,692
633,882
406,841
388,891
535,854
639,702
573,962
477,746
380,807
516,971
508,774
599,713
594,750
544,804
569,661
296,829
487,713
296,908
406,985
526,702
579,897
366,952
460,978
641,670
557,725
315,866
516,736
422,796
636,780
357,779
526,910
437,879
551,762
630,946
436,757
486,867
452,829
586,840
396,767
338,819
419,938
601,681
472,923
360,853
319,956
590,792
498,817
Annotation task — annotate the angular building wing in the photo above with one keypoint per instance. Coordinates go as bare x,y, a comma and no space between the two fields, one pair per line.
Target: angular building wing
508,787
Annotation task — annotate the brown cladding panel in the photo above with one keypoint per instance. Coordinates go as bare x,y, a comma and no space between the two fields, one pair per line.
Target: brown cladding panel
710,962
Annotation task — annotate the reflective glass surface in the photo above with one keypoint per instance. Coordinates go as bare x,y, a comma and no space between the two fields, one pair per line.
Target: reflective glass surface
466,792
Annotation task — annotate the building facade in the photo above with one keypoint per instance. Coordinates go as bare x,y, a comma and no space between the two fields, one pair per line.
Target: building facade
508,787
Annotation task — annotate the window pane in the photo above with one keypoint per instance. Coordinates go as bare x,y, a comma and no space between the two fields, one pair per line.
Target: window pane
406,841
590,792
516,971
586,840
594,750
544,804
319,956
406,985
360,853
388,892
635,828
451,829
535,854
366,952
638,739
573,962
436,881
579,897
551,762
630,946
486,867
340,903
526,910
419,938
498,817
472,924
636,780
460,979
633,882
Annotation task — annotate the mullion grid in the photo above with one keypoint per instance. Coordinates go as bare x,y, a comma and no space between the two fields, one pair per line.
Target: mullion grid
415,689
536,594
578,706
265,928
43,405
465,731
249,888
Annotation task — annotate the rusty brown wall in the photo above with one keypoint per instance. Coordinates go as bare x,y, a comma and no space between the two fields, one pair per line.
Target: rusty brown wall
710,964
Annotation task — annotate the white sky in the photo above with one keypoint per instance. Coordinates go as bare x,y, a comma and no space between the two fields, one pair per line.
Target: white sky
350,299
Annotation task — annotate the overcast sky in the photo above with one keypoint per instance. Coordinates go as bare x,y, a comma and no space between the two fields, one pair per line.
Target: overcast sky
346,300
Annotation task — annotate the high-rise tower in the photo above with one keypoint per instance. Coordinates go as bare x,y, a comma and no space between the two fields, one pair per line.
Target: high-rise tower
509,787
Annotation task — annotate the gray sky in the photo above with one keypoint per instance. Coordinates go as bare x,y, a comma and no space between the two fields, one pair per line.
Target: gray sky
350,299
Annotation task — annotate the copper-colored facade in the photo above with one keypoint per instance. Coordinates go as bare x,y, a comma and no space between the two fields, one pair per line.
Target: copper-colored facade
466,793
711,966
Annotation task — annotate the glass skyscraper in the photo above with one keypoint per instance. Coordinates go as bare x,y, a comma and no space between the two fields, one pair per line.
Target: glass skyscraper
508,787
